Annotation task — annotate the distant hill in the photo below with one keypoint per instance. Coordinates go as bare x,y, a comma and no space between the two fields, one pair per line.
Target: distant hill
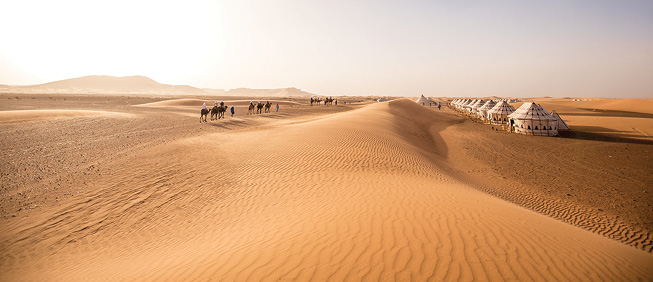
279,92
104,84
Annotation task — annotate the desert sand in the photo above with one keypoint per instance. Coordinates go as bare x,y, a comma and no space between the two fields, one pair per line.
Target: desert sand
135,188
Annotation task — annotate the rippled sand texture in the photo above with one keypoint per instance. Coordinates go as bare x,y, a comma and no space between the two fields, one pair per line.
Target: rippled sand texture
353,196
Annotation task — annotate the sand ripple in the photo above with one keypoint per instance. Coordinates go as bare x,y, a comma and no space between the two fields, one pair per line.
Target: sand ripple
356,196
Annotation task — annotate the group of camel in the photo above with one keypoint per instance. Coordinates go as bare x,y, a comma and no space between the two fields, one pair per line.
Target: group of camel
217,112
326,101
259,106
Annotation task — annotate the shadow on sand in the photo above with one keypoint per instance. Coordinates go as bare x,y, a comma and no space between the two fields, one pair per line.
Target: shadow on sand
598,133
607,113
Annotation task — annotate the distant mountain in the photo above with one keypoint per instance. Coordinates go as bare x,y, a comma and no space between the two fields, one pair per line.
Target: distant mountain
104,84
279,92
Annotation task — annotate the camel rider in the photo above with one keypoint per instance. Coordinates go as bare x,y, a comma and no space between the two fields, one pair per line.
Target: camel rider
221,103
204,106
215,104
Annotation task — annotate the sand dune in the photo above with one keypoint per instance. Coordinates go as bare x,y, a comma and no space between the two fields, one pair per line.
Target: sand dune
33,115
360,195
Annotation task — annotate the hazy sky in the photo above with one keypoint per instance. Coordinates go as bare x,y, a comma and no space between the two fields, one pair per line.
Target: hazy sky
404,48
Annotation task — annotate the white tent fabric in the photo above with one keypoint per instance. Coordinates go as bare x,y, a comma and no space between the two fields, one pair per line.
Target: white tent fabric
469,104
477,105
562,125
532,119
499,113
482,111
422,100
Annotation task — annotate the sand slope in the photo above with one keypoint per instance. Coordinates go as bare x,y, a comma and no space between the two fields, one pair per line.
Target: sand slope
33,115
355,196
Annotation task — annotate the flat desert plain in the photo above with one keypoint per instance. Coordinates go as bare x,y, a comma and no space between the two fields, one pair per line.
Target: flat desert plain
103,188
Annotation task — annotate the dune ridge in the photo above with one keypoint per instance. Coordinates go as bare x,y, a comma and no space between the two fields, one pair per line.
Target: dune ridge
354,196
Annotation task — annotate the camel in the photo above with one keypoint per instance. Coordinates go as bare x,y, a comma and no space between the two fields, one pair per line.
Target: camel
203,113
259,107
251,109
267,107
221,111
214,112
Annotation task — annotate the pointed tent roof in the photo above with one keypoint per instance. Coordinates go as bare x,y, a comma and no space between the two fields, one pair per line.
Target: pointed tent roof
562,125
531,111
487,106
469,104
422,100
502,108
479,103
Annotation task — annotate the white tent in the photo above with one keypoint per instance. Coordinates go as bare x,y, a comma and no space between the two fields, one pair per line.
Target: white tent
469,104
460,103
477,105
532,119
562,125
482,111
499,113
423,101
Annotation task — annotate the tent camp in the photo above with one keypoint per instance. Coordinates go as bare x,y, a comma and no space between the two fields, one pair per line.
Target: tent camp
499,113
423,101
532,119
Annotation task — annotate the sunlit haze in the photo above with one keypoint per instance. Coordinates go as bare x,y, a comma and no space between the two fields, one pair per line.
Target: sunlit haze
397,48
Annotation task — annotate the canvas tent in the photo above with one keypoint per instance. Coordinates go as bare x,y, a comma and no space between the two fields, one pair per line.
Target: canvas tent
562,125
468,105
499,113
477,105
460,104
482,111
532,119
423,101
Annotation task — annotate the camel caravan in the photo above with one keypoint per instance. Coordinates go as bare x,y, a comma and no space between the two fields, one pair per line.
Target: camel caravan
259,107
218,111
327,101
529,119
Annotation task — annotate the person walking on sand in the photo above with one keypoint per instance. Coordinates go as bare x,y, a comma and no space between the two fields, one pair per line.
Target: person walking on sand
277,107
232,110
439,105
